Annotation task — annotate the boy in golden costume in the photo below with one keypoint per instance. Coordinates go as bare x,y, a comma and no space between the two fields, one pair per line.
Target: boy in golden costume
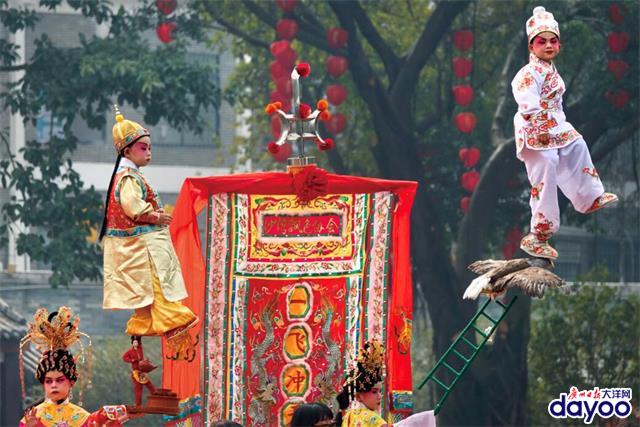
141,269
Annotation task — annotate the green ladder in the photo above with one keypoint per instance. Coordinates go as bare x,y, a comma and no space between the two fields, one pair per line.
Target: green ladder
467,360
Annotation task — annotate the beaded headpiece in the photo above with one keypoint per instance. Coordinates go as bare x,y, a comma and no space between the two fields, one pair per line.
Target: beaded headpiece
53,334
368,370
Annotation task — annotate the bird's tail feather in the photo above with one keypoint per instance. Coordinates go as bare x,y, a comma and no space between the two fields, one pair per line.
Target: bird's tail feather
476,287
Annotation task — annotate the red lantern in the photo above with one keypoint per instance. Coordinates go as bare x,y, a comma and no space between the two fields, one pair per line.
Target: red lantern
462,67
286,29
469,180
336,123
337,38
336,94
287,5
336,66
615,14
463,95
283,153
469,156
617,98
278,47
464,204
287,58
618,68
277,70
465,122
166,6
463,40
164,31
284,87
275,126
618,42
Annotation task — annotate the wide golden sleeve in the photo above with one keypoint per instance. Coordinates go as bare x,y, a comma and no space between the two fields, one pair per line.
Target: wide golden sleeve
131,198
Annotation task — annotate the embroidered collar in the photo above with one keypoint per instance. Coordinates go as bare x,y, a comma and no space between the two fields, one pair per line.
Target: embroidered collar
52,402
546,66
126,163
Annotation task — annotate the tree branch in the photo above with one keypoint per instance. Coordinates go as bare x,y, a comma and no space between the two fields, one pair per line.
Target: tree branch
389,58
239,33
504,88
365,79
474,227
607,146
10,68
310,33
434,29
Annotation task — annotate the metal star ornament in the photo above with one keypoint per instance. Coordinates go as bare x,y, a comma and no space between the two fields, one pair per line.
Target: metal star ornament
301,124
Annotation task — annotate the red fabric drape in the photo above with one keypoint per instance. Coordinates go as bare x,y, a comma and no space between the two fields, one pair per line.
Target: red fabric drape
184,378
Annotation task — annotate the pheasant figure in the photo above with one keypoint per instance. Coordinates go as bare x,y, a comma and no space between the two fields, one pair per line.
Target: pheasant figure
531,275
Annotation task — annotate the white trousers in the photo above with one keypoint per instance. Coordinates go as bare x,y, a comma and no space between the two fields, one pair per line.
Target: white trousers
570,168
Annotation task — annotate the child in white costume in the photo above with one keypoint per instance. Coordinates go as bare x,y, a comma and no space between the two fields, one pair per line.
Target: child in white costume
554,153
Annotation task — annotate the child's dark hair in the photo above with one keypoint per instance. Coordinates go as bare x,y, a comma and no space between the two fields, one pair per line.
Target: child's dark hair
226,423
136,338
308,414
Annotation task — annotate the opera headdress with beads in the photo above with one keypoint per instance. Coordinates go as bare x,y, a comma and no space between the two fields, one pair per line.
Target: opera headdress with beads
53,335
369,368
125,132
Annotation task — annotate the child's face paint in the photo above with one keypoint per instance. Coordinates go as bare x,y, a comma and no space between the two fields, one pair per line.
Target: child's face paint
140,152
56,386
545,46
372,398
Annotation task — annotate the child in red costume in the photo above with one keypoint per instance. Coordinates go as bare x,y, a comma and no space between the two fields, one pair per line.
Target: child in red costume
140,379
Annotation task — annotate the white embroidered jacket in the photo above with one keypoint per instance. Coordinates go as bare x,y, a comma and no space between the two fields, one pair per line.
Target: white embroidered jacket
540,121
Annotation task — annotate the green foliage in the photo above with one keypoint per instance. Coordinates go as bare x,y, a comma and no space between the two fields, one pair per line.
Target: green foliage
49,198
496,25
589,339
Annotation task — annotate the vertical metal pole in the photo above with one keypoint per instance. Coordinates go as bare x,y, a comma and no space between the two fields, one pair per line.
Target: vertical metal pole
295,103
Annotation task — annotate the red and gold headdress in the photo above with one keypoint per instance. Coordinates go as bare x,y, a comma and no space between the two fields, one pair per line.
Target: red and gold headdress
53,334
368,369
